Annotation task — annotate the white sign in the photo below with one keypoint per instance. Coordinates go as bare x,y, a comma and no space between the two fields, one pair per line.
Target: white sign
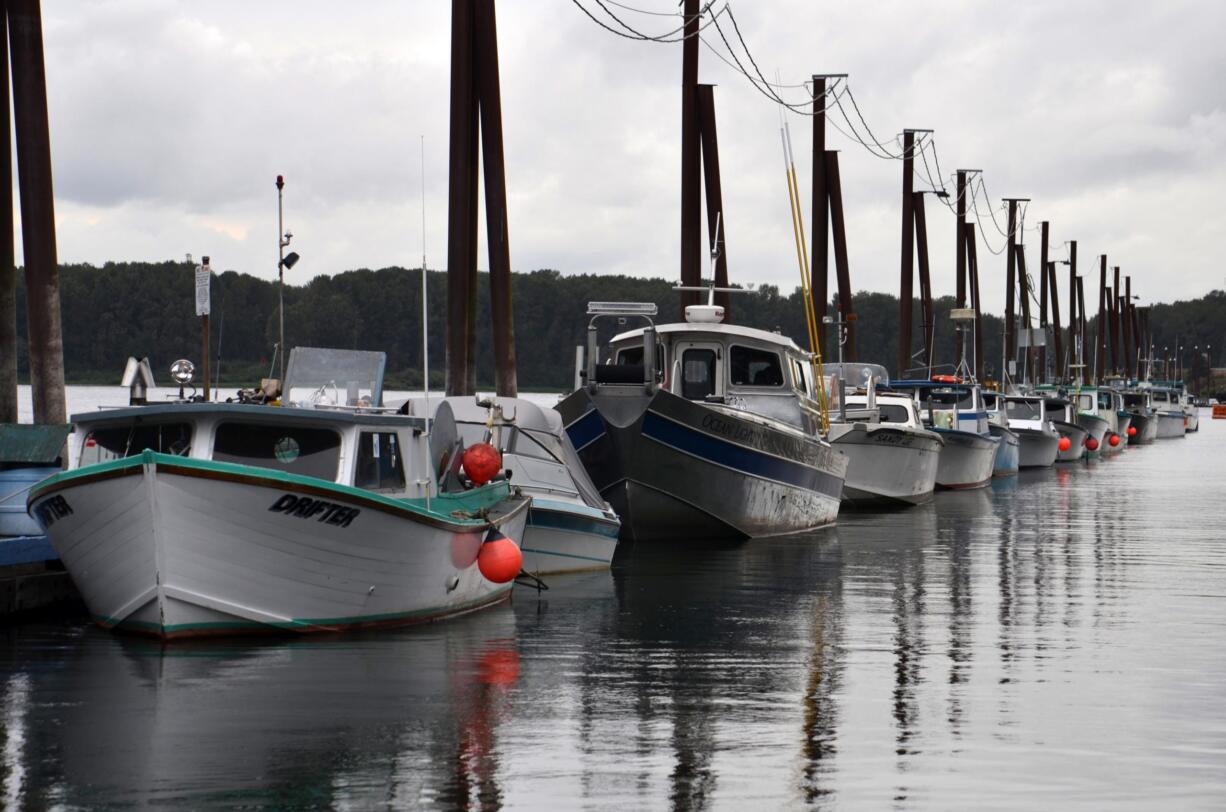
203,276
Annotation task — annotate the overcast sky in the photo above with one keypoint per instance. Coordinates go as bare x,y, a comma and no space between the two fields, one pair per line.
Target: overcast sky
170,121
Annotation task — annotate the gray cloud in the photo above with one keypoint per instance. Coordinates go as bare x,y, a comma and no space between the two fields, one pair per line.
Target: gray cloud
170,120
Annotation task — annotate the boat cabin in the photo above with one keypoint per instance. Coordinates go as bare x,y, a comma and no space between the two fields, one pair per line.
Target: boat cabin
949,405
741,367
1027,411
332,427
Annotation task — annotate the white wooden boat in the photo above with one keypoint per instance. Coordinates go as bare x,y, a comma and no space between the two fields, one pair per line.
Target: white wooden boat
194,518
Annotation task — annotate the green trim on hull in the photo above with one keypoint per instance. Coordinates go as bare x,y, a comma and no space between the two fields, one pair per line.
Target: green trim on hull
445,507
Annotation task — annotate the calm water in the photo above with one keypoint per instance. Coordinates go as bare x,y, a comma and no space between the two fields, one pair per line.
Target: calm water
1055,641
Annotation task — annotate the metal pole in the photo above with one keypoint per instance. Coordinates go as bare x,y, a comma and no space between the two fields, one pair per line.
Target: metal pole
691,229
280,282
46,340
1074,349
907,264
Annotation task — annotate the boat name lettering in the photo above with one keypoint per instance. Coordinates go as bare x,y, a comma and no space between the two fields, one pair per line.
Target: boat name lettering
52,510
304,507
729,429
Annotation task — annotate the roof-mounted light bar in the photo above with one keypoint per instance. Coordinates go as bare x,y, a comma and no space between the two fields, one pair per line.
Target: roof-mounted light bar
622,309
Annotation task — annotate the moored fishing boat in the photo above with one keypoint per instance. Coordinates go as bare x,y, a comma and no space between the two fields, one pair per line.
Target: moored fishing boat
1143,420
1111,409
1084,401
715,436
892,458
195,518
570,527
1038,438
1008,453
1172,421
1063,420
955,411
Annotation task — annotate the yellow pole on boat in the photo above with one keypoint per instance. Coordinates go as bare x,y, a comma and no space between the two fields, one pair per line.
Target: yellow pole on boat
802,260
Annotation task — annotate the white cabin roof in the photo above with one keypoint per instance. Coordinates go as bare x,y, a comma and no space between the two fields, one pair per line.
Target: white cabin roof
716,330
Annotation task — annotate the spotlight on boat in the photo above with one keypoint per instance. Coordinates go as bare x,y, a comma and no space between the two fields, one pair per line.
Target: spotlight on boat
182,371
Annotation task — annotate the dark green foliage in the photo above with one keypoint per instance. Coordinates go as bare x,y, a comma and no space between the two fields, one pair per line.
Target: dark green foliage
123,309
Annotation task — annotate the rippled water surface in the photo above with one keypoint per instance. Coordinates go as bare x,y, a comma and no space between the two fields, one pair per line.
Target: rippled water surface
1054,641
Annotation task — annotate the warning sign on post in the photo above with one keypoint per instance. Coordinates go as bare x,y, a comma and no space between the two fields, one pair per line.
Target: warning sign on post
203,274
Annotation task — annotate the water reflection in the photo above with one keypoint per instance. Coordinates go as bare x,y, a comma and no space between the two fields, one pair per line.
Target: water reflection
968,652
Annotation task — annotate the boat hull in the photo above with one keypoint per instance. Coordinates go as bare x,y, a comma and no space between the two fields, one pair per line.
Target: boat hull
887,464
565,537
1008,454
1038,449
673,469
1171,424
1147,429
967,459
1193,415
1077,441
173,549
1096,429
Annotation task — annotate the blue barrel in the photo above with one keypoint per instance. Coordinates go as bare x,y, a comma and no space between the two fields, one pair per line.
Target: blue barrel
14,486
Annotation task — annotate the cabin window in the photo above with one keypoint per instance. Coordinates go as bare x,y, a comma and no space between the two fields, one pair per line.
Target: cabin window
1024,409
102,445
697,374
894,413
800,380
380,466
293,449
753,367
633,356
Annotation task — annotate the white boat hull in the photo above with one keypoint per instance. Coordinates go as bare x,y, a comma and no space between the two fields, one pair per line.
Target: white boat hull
178,552
967,460
1171,424
886,463
1038,449
566,537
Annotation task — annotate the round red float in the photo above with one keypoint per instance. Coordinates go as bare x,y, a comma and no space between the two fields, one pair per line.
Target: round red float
1114,440
500,559
1091,444
482,462
1132,431
1065,444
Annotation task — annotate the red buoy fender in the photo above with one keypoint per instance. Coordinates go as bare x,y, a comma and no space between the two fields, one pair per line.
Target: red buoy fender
1114,440
1065,444
500,559
1132,431
482,462
1091,444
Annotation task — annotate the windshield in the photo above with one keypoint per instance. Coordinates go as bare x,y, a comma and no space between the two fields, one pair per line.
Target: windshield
334,377
1024,409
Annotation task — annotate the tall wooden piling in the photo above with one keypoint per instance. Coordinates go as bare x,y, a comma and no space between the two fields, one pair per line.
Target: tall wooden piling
960,256
476,133
1056,332
925,278
46,343
1100,333
691,229
907,264
972,269
1072,309
819,210
716,222
1010,287
8,268
1044,246
834,186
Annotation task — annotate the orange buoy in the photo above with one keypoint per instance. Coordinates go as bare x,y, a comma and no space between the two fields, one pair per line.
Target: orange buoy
482,462
1132,431
1114,440
1091,444
500,559
1065,444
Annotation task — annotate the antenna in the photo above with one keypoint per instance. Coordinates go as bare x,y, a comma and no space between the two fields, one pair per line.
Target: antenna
425,331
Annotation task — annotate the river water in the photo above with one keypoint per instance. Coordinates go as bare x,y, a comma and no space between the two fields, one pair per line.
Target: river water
1053,641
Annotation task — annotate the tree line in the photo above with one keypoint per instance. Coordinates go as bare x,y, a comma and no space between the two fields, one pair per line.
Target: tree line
148,309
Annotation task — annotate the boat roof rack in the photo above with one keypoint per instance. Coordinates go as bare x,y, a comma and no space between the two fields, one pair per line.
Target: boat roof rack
622,309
